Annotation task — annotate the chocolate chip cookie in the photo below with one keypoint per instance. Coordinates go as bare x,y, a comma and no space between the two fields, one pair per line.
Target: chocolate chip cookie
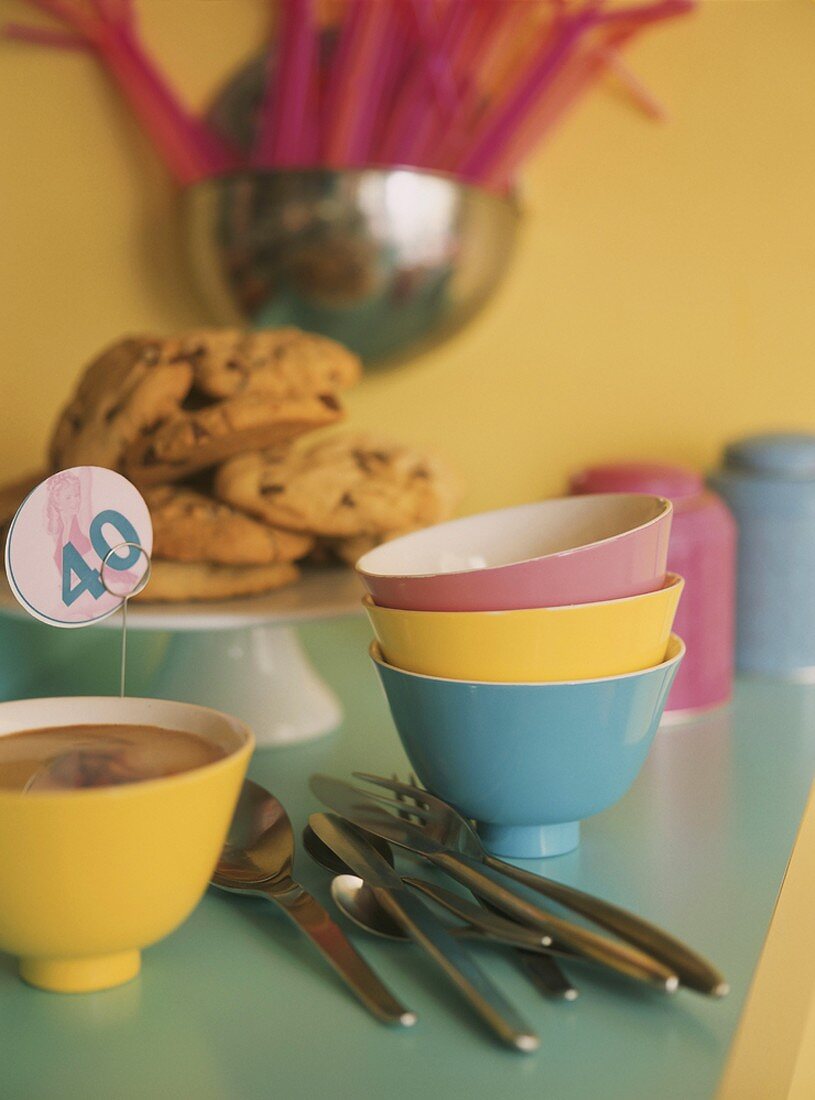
341,487
191,527
195,439
282,363
127,390
178,582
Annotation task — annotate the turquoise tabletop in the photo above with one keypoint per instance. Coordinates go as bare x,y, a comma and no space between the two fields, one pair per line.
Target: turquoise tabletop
236,1005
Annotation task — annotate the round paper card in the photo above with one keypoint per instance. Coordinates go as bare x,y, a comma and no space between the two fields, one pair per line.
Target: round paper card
79,544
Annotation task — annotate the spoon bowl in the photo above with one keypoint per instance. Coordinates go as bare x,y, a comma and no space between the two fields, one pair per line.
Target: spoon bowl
257,859
358,902
259,848
351,895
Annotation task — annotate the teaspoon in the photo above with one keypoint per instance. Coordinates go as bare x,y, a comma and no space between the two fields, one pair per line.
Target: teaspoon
357,901
480,925
258,858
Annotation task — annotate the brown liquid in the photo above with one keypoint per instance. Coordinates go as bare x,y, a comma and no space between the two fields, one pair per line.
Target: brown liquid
76,757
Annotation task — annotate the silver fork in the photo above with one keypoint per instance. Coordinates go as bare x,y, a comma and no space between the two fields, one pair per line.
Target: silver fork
542,970
449,828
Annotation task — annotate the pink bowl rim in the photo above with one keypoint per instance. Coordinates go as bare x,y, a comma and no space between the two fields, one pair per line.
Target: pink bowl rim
671,582
665,510
675,643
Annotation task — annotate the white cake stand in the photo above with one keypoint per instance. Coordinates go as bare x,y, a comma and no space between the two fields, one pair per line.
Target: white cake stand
244,657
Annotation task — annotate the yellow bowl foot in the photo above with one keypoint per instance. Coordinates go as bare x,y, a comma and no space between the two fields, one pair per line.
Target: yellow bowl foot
82,975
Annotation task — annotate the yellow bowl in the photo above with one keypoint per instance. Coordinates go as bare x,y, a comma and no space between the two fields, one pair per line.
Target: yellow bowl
90,877
577,642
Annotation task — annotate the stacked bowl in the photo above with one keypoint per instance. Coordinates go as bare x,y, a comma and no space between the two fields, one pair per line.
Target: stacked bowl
526,655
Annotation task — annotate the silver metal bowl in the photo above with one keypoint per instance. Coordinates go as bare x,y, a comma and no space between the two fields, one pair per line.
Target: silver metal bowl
388,261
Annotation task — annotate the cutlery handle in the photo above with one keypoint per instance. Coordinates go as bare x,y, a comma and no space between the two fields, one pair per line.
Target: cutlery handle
492,924
692,970
617,956
460,968
541,968
547,976
329,938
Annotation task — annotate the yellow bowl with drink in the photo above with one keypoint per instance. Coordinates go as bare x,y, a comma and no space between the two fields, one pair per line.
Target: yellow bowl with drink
113,812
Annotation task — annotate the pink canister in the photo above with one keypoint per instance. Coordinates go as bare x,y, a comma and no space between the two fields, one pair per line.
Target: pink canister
702,549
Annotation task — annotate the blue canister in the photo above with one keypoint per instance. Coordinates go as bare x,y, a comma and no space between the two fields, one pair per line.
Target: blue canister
768,481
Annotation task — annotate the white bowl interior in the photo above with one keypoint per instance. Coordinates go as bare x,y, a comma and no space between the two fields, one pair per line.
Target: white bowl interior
31,714
512,535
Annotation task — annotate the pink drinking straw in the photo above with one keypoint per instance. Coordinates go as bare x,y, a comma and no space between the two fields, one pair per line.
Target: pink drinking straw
634,87
466,57
340,67
401,59
572,81
188,149
468,52
559,97
515,35
288,129
417,110
330,12
505,120
503,46
44,36
381,107
431,117
513,42
356,81
175,131
436,54
512,109
412,100
362,142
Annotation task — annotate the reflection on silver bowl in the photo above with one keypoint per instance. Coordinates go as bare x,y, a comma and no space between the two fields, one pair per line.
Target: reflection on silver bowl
388,261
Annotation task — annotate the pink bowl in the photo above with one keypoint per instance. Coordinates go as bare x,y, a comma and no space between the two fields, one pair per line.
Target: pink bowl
548,554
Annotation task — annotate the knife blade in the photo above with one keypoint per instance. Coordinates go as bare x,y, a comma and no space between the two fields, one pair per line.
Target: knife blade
351,803
427,931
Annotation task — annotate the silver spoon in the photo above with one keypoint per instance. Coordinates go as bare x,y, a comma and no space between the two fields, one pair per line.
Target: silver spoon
356,900
428,932
257,859
479,925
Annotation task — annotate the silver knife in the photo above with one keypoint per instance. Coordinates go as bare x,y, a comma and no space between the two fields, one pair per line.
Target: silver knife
426,930
351,803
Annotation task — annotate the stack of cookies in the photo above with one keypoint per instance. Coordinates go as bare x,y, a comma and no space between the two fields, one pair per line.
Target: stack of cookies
213,427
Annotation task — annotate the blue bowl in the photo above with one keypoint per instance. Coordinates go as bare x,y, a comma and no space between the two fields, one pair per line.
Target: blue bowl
528,761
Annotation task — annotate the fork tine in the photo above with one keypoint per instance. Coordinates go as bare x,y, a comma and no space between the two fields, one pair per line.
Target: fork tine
414,782
402,800
420,796
394,804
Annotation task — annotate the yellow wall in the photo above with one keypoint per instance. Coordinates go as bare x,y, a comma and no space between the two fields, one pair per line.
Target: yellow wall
662,299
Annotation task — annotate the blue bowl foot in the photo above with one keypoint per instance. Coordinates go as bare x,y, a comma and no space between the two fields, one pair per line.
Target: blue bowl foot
530,841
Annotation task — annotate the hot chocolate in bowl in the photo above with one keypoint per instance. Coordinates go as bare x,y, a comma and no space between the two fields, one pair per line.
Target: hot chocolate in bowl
112,818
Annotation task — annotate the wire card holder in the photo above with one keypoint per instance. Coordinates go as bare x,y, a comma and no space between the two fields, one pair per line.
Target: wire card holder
139,585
